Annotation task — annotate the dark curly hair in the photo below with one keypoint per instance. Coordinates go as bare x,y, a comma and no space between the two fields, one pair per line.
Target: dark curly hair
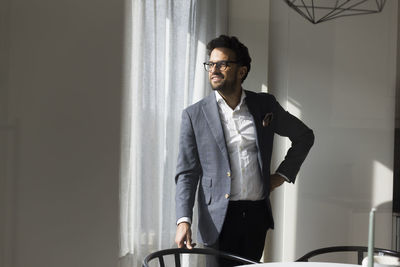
241,51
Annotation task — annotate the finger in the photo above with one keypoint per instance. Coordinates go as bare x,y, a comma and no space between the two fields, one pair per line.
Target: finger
180,242
189,242
190,245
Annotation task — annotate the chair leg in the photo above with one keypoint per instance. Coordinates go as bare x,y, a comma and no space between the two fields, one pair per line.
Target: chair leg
177,260
161,259
360,257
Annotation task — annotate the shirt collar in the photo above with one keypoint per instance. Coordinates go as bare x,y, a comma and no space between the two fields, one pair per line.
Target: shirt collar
221,100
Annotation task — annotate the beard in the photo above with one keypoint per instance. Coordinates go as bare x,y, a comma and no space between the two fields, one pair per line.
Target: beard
224,85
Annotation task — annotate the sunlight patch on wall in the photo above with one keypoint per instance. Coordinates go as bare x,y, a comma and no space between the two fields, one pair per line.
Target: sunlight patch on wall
290,222
264,88
382,184
294,108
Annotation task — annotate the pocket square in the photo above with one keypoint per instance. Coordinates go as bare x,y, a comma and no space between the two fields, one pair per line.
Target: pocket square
267,119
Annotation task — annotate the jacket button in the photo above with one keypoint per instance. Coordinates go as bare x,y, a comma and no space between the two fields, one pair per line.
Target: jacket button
226,196
229,174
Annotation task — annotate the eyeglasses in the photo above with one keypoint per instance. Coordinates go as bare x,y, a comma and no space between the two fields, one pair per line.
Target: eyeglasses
220,65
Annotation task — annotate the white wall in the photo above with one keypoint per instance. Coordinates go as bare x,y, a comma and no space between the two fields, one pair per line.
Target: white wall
248,20
340,78
60,93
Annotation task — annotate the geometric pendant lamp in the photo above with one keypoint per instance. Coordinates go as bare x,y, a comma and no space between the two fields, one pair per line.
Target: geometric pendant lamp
317,11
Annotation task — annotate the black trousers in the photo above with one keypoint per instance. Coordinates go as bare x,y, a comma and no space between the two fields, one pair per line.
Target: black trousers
244,231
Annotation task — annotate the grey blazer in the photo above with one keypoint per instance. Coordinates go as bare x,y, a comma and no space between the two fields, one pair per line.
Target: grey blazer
203,160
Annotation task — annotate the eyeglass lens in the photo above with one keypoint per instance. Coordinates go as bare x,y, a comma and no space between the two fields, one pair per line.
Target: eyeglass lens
221,65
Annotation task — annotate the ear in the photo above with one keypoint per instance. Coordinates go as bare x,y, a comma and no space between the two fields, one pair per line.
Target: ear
242,71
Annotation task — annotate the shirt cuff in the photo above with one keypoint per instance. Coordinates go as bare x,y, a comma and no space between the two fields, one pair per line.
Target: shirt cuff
184,219
284,176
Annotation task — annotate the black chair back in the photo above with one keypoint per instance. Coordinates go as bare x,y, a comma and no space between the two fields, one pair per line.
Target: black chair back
177,252
359,249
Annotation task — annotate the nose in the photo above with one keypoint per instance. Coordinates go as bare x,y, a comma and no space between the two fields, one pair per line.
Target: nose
214,69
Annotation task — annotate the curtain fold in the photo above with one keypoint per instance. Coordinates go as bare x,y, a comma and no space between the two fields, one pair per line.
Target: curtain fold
165,49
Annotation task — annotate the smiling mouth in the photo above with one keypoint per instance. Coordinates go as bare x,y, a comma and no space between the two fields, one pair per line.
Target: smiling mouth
216,78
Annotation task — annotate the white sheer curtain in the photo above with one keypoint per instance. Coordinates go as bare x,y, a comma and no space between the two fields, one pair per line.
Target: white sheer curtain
164,74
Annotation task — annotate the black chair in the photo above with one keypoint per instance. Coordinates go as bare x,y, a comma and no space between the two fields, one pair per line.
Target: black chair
199,251
360,252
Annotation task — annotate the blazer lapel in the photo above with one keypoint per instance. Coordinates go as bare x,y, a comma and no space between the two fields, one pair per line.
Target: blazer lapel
210,110
254,109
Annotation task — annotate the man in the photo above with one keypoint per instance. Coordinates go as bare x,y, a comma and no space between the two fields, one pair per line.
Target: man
225,147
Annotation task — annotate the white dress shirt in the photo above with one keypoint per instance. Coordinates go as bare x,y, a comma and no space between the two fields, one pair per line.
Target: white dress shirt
240,136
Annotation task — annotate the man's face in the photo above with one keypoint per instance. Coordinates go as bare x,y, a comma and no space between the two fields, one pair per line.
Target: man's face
228,79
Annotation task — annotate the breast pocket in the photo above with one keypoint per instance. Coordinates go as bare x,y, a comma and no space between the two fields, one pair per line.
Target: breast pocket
206,185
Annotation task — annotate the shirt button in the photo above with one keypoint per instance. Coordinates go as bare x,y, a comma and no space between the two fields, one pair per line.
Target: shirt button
228,174
226,196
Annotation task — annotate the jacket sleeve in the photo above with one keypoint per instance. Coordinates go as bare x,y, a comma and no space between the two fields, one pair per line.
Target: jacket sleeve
188,169
300,135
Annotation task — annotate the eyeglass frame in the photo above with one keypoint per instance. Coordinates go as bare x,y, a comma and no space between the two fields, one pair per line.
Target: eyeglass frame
218,64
